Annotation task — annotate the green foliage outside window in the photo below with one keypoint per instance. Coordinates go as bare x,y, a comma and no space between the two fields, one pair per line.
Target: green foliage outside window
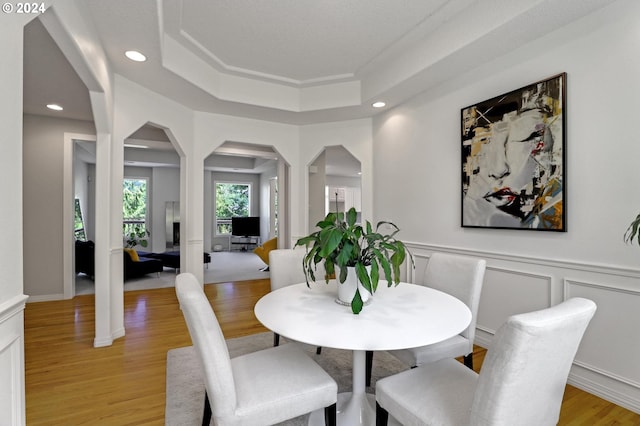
134,212
232,200
78,225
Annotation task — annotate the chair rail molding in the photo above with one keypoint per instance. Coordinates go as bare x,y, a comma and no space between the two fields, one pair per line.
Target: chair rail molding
538,261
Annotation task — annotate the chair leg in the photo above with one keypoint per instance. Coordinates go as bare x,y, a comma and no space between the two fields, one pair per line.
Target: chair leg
468,360
318,350
382,416
276,339
330,415
369,366
206,415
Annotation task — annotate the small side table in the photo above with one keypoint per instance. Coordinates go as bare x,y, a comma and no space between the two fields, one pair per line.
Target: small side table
245,243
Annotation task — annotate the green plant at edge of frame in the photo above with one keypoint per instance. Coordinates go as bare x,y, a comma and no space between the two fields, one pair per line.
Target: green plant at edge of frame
632,233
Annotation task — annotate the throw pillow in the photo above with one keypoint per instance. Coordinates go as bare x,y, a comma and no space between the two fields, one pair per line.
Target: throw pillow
133,254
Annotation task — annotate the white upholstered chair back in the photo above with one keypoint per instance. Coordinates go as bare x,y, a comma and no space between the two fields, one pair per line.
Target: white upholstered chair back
460,276
524,374
285,268
209,343
521,381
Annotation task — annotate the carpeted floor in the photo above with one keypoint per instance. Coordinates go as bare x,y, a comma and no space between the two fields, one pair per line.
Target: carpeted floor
185,389
225,266
234,266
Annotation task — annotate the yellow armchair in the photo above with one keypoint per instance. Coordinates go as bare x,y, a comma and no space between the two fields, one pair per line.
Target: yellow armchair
264,249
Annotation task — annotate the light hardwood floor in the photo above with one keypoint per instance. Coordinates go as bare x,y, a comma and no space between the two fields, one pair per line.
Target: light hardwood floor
68,382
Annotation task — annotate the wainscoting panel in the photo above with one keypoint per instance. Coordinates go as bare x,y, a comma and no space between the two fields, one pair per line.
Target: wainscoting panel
507,292
12,388
606,364
613,336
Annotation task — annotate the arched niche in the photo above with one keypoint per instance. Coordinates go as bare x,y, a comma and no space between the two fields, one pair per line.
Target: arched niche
152,153
269,175
334,183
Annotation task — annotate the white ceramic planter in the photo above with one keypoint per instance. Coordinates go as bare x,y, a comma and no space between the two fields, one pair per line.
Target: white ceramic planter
347,289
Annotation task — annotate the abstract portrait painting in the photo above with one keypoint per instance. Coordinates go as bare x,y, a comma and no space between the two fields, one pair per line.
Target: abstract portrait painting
513,151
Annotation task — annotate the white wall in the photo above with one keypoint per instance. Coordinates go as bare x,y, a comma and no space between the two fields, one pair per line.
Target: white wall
355,136
316,190
165,187
12,299
265,203
212,130
417,176
43,147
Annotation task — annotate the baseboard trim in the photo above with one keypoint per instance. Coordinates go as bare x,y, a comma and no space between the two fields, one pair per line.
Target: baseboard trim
623,398
46,298
102,342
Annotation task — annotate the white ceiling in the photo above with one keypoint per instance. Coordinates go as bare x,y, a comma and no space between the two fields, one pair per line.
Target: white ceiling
324,60
297,41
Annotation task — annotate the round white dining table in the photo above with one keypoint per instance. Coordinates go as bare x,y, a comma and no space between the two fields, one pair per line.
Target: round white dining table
398,317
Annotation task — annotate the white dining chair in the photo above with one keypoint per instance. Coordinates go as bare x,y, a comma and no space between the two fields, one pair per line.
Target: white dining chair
285,268
251,389
521,382
461,277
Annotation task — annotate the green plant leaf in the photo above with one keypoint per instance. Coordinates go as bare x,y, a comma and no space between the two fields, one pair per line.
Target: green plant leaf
343,274
356,303
345,254
304,241
632,231
329,241
375,275
352,216
382,260
329,267
363,277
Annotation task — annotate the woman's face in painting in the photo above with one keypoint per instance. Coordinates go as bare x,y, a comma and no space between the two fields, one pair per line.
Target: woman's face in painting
513,161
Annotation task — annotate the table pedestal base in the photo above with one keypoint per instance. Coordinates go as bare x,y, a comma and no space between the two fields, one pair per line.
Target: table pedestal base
352,411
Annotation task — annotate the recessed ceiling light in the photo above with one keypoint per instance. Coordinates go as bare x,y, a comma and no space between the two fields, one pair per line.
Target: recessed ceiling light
134,55
55,107
378,104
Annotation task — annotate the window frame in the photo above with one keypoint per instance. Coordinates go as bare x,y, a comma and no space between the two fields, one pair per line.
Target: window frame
147,203
225,221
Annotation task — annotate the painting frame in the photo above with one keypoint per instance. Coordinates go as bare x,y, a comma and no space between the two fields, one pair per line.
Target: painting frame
513,159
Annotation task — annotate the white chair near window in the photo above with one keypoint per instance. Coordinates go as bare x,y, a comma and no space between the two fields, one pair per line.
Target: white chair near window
521,382
461,277
285,268
251,389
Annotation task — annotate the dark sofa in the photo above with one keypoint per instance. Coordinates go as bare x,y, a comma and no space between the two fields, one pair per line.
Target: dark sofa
85,262
141,267
171,259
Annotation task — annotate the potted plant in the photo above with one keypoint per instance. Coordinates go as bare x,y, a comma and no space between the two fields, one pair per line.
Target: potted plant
353,249
633,231
135,236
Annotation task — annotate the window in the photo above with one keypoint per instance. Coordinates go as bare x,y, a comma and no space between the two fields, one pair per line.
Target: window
232,200
134,211
78,229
